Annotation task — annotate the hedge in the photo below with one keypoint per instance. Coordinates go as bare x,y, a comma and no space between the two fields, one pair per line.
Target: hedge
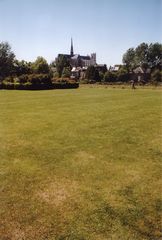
12,86
36,82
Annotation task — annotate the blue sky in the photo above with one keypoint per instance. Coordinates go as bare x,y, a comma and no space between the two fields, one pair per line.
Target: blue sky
107,27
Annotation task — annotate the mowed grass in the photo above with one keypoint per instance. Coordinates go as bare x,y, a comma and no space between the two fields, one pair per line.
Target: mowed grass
80,164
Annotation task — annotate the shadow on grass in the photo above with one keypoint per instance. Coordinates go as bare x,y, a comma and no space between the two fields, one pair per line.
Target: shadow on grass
140,218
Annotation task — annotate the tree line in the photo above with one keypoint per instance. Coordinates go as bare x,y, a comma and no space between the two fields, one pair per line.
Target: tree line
9,65
146,56
15,74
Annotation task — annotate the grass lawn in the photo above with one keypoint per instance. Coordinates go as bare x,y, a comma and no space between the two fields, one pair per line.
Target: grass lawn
80,164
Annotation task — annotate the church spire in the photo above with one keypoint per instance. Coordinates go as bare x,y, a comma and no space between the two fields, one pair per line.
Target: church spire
71,49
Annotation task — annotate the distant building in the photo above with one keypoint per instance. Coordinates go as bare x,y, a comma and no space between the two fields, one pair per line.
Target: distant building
101,67
140,74
77,60
115,68
80,63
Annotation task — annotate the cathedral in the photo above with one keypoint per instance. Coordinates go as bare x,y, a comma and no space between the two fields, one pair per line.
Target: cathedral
77,60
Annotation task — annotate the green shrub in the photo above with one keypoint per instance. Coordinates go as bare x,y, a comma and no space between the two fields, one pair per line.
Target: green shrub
37,82
59,85
122,75
66,72
101,75
9,79
156,77
110,77
7,85
23,78
92,74
84,81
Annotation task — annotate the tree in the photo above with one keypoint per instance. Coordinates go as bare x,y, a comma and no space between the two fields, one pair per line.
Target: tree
22,67
156,76
40,66
143,55
97,76
6,60
66,73
122,75
110,77
61,63
101,75
92,74
154,55
129,58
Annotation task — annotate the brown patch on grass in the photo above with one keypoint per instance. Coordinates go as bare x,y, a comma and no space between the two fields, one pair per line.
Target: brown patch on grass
14,232
10,230
57,192
83,155
83,158
18,234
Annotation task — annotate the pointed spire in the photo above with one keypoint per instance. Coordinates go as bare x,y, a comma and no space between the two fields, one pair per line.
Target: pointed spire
71,49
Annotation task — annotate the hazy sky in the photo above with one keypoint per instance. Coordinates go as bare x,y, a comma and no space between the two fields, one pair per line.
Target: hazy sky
107,27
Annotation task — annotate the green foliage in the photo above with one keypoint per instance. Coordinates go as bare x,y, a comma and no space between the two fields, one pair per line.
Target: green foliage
9,79
97,76
23,79
92,74
40,66
61,63
110,77
143,55
155,54
156,76
6,60
55,75
66,73
123,75
22,67
129,58
101,76
104,69
36,82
